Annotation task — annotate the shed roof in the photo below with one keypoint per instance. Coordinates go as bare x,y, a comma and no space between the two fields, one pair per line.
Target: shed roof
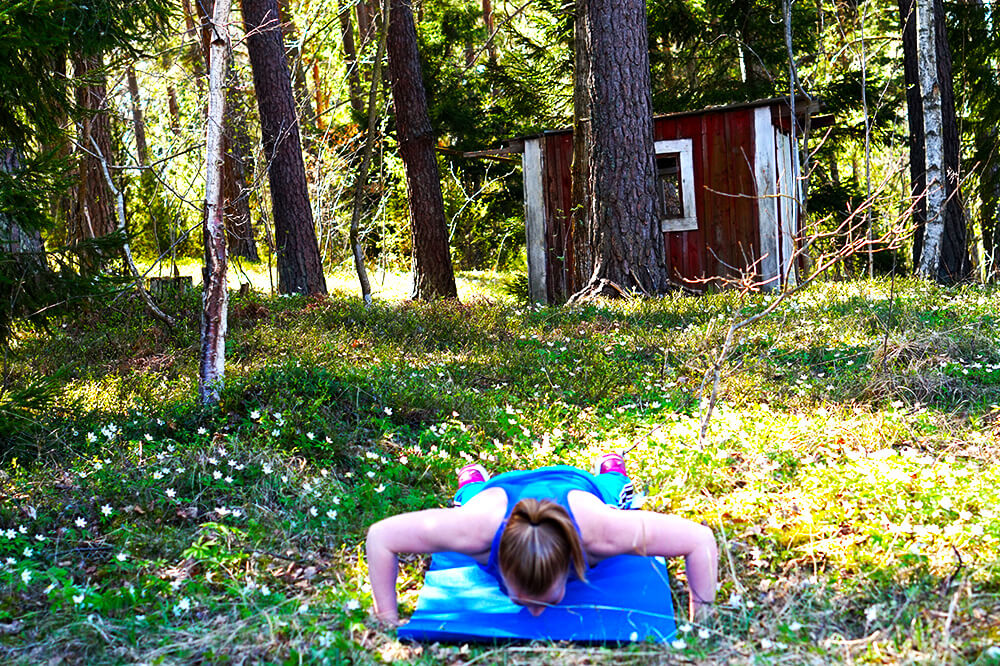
803,105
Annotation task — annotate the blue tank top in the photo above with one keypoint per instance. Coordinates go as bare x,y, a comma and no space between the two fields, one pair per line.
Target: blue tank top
552,483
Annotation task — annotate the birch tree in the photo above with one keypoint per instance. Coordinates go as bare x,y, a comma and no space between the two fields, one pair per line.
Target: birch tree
930,91
215,297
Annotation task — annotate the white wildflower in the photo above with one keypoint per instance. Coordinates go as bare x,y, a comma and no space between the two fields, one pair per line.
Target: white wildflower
81,522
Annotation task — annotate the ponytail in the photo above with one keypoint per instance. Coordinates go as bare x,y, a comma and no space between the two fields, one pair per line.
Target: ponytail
538,545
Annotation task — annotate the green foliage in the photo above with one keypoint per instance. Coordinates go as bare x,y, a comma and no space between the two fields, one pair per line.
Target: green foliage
35,35
850,457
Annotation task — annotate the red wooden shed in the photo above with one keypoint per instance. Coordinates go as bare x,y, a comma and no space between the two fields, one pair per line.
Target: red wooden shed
728,195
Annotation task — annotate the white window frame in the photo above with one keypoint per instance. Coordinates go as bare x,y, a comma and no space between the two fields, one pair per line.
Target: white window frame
683,148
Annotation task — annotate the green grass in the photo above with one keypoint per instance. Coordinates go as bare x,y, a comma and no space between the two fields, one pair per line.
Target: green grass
850,475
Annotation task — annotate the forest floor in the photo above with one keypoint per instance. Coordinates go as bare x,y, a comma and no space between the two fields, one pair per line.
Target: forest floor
850,472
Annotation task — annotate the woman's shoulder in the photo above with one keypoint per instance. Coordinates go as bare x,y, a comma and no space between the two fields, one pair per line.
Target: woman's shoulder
489,506
600,524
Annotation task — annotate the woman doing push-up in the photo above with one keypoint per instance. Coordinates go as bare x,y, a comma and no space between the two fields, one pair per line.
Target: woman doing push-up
533,530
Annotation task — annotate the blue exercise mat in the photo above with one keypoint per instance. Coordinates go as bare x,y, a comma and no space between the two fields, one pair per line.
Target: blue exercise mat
627,598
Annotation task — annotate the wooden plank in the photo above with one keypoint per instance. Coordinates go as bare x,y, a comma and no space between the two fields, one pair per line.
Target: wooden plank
744,206
555,287
535,219
788,203
693,246
765,182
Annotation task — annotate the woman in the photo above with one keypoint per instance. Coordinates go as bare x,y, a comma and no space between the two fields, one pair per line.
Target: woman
534,530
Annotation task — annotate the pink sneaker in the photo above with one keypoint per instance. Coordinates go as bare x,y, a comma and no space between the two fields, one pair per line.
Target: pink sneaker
472,473
609,462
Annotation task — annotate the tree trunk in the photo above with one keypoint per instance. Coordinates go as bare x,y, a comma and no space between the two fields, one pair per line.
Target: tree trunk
307,117
930,93
300,269
321,98
989,204
956,264
236,152
197,47
351,59
629,247
915,118
92,215
361,180
14,239
21,255
138,124
488,22
582,238
433,276
944,256
215,297
175,110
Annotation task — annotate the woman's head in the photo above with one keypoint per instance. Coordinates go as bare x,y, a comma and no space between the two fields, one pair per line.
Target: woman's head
537,547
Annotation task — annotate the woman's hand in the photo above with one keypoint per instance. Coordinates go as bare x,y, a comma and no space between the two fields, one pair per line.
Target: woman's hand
466,530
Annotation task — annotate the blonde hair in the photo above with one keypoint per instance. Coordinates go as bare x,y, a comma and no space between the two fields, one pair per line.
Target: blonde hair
537,546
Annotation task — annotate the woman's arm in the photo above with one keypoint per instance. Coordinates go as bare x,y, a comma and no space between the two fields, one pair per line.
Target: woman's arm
608,531
430,531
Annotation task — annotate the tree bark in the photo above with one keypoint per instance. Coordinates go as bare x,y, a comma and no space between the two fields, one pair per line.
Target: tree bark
930,94
351,59
14,239
197,46
629,247
956,264
174,109
138,124
989,204
361,180
488,22
582,213
91,216
236,152
300,269
215,296
295,62
433,276
22,259
923,40
915,118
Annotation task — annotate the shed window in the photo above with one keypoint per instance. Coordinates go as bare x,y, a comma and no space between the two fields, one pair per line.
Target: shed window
675,185
668,177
